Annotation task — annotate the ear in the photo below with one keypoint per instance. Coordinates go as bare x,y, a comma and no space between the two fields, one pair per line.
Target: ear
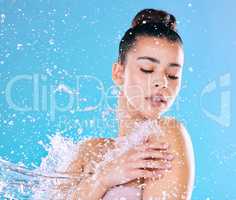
118,73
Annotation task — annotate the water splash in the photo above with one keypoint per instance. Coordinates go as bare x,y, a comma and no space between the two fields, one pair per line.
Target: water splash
139,135
20,182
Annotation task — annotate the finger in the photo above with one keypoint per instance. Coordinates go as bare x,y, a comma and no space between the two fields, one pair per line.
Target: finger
144,147
147,147
150,154
159,146
142,173
151,164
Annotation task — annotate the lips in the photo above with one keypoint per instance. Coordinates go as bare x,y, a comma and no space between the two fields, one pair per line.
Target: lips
157,99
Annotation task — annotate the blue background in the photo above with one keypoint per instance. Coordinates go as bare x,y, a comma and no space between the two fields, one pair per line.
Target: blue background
59,40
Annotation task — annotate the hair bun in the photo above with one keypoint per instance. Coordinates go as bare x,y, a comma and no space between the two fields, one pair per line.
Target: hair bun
154,16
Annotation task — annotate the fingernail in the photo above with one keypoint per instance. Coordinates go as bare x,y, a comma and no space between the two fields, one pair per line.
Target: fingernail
168,165
170,156
165,145
159,175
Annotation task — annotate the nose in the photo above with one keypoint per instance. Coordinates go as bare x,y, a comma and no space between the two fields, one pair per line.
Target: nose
160,82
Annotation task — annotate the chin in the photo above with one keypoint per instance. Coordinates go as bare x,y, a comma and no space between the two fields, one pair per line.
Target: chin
151,114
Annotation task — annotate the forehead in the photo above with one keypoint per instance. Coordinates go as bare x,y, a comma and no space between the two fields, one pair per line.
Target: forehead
159,48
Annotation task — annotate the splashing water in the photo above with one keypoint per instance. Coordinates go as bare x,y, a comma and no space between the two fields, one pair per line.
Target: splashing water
19,182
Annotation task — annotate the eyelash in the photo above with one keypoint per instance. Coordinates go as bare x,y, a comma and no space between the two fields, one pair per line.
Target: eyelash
173,77
146,71
150,71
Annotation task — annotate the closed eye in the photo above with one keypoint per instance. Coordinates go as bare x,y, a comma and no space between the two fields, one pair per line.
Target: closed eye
146,71
150,71
173,77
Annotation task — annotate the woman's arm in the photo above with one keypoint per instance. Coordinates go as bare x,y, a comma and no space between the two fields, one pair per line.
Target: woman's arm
89,186
176,184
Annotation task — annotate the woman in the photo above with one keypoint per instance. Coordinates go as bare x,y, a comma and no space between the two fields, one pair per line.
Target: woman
158,166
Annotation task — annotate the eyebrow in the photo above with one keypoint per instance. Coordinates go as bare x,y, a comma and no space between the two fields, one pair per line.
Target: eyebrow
154,60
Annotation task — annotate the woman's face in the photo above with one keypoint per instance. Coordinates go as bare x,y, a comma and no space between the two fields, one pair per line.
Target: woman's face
152,75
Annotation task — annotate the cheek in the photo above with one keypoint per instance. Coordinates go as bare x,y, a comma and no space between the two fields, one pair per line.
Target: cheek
134,89
174,87
133,83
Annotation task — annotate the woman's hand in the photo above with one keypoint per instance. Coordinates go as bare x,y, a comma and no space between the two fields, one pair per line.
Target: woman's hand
145,160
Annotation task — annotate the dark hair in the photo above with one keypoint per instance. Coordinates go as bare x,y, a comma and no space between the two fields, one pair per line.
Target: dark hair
152,23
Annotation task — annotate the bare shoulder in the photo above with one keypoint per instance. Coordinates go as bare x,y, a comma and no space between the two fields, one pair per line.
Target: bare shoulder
180,179
180,140
175,129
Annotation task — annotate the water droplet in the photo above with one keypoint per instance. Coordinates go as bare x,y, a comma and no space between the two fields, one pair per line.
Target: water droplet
2,18
19,46
190,69
49,71
84,17
7,55
10,123
64,88
51,41
79,131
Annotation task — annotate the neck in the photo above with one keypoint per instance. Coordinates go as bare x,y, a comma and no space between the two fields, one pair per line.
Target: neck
127,116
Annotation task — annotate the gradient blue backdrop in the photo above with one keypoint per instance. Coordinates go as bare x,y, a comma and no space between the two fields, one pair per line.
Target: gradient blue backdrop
59,40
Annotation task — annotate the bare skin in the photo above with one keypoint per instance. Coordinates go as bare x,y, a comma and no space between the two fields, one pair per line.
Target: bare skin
149,165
